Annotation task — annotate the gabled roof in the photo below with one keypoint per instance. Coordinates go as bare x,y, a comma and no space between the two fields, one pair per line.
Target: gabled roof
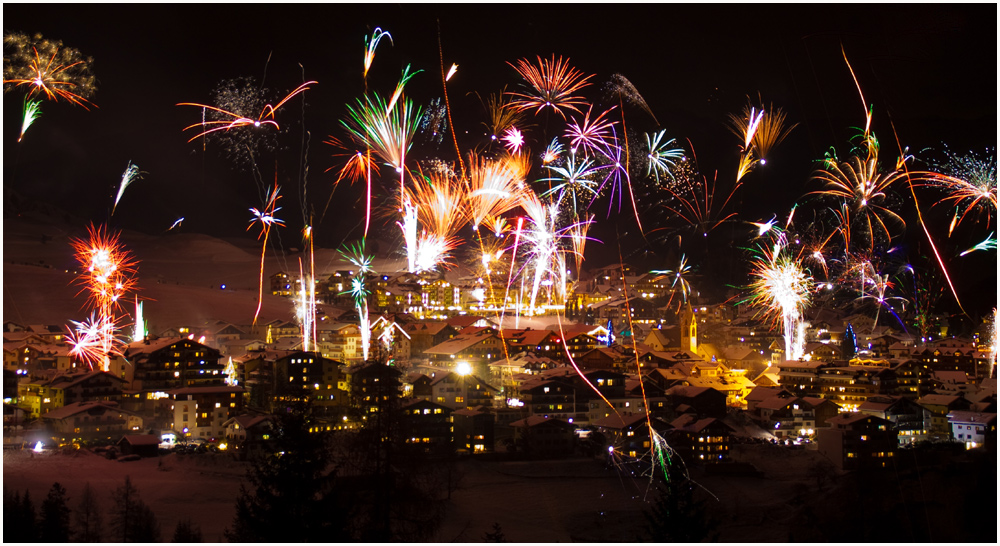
775,403
972,417
702,424
619,422
460,342
222,389
426,327
847,419
70,410
535,420
140,440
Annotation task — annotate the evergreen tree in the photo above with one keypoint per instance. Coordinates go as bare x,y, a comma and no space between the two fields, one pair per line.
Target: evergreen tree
88,517
496,535
186,532
20,524
676,516
849,346
55,516
144,527
124,511
288,499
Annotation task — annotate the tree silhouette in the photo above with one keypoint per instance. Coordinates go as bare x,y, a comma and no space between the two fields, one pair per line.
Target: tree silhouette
87,516
55,516
186,532
288,496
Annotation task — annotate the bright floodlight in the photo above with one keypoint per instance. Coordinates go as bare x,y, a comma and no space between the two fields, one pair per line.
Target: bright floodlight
463,368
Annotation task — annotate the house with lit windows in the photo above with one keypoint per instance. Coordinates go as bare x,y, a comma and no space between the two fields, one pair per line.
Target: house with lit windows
202,412
911,421
705,440
855,441
459,391
544,437
306,376
427,426
974,429
473,430
89,421
163,364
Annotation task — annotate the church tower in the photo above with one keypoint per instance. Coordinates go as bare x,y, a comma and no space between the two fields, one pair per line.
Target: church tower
689,330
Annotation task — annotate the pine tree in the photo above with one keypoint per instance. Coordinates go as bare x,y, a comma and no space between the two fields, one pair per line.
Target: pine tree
849,346
496,535
124,511
186,532
676,516
88,517
55,516
19,518
288,499
144,527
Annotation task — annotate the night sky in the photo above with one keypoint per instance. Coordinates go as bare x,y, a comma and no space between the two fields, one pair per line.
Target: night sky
929,70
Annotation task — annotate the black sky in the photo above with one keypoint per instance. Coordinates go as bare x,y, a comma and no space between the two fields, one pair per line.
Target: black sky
929,71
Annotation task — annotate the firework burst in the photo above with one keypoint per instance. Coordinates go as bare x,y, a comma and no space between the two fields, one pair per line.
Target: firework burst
109,274
47,69
554,84
782,288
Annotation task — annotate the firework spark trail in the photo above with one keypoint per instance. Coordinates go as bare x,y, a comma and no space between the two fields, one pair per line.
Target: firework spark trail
139,332
359,291
970,183
87,339
493,189
370,45
48,69
920,216
176,223
267,218
770,132
444,90
130,175
553,85
266,116
990,243
388,135
32,111
358,166
697,199
620,85
782,288
409,228
552,152
110,274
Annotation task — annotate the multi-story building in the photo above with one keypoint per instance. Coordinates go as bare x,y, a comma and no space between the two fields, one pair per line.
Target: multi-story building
857,441
202,412
974,429
307,376
165,364
911,421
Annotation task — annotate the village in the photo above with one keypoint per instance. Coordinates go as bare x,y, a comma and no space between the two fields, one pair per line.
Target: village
622,359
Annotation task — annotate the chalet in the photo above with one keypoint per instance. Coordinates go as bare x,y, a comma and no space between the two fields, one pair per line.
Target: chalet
201,412
88,421
974,429
855,441
303,376
474,430
477,347
543,437
375,386
940,405
424,335
698,400
427,426
458,391
170,363
627,434
911,421
704,440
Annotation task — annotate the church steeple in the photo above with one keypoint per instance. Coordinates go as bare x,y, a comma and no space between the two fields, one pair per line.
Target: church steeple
689,329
